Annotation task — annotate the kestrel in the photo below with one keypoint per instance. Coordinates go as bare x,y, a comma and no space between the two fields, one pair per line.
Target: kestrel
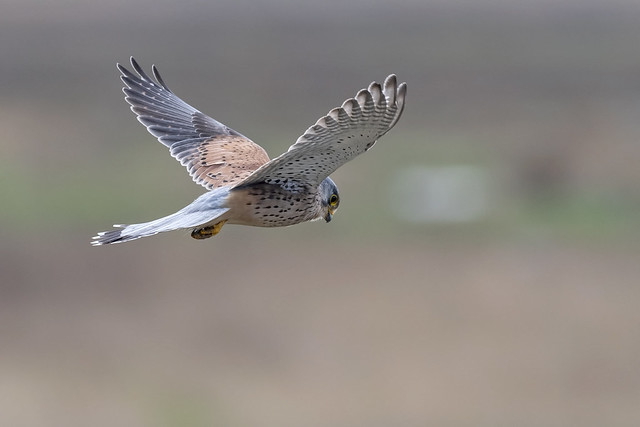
245,187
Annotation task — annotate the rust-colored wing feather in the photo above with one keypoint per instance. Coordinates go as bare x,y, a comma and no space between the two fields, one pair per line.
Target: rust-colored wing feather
214,154
220,161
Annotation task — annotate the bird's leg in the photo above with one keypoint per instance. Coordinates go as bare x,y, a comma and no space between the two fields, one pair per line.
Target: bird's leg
208,231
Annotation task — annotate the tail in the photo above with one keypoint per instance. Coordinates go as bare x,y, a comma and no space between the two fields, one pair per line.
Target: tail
203,210
177,221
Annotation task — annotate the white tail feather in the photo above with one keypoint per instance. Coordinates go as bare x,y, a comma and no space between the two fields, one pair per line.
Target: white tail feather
204,209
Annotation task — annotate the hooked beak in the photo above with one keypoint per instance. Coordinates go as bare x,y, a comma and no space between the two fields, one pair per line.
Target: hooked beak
329,215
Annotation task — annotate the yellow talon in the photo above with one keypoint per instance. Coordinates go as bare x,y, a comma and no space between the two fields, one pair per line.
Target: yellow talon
208,231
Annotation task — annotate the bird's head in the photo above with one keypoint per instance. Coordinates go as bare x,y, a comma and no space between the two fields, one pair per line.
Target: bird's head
329,198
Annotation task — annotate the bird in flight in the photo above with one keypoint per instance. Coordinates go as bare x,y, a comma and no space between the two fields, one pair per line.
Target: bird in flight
245,187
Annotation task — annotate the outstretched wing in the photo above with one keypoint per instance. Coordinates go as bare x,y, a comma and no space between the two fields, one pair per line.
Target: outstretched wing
336,138
214,154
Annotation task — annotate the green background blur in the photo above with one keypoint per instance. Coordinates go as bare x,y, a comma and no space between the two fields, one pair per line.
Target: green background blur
483,268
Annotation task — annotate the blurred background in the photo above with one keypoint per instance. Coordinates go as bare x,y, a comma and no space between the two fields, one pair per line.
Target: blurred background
483,268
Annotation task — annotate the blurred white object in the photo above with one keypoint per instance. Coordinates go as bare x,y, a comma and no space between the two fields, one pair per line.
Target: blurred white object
440,194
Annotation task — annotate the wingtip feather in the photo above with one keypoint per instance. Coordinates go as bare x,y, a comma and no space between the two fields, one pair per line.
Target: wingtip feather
376,93
389,88
156,75
401,93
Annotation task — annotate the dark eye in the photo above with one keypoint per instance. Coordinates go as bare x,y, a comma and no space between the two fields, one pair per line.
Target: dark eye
333,200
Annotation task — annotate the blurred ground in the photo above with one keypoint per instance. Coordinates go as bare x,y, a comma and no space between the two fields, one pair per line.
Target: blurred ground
522,313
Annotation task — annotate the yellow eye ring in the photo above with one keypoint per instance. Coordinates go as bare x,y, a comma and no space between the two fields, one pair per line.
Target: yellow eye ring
333,200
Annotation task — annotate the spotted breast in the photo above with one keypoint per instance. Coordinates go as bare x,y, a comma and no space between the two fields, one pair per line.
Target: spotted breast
268,205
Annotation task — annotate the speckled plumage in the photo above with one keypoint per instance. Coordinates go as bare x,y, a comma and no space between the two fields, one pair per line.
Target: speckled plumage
245,187
269,205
